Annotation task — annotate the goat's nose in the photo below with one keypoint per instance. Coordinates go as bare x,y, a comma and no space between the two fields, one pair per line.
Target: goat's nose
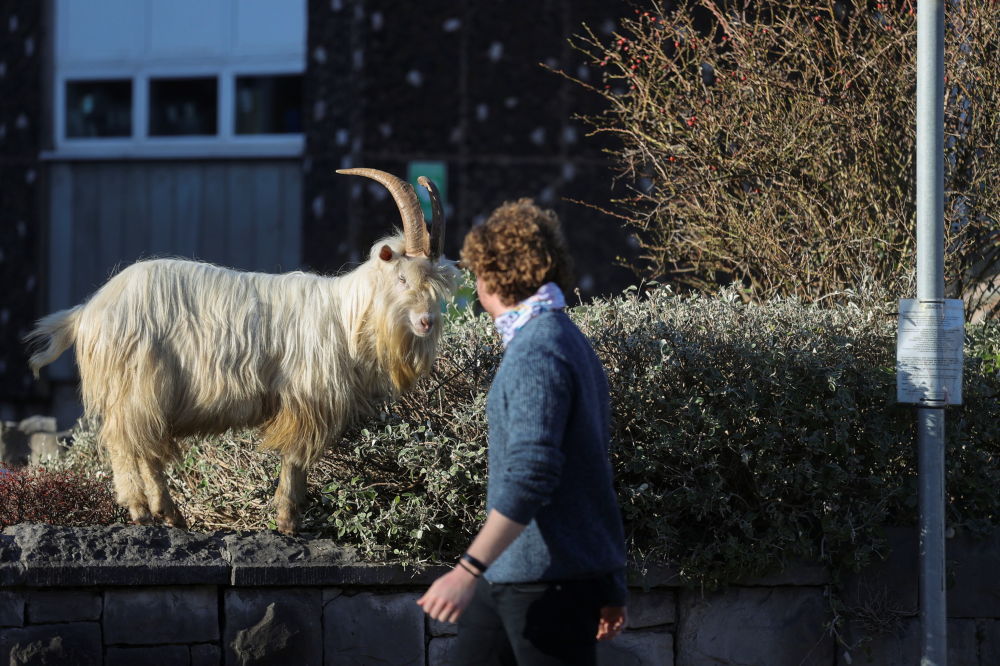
426,321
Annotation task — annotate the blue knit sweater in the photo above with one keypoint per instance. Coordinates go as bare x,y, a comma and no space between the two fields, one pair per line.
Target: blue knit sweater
548,412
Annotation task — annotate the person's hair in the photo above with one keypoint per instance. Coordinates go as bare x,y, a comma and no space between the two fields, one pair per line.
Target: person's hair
517,250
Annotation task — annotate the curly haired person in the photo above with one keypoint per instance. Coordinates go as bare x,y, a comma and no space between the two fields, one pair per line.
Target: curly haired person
544,578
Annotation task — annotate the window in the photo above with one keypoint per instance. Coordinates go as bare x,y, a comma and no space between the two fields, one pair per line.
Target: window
183,107
181,78
268,104
98,108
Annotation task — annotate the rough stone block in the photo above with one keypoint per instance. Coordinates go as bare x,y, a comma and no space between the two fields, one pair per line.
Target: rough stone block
14,447
52,644
891,581
989,647
10,567
651,609
269,558
437,628
44,446
273,627
161,615
206,655
754,627
33,424
637,648
161,655
903,646
63,606
439,651
973,586
795,574
48,555
356,627
11,609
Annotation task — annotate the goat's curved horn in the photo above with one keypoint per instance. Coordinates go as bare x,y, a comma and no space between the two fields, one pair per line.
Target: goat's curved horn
437,219
414,227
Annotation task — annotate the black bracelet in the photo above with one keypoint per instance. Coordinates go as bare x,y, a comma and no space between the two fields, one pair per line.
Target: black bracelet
469,569
474,562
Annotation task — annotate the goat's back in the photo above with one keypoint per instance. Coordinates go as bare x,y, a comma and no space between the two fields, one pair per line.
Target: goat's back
199,347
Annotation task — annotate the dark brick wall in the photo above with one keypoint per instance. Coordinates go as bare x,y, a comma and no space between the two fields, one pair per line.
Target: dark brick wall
21,267
460,82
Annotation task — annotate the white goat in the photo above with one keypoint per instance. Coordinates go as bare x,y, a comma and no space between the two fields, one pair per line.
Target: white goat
171,348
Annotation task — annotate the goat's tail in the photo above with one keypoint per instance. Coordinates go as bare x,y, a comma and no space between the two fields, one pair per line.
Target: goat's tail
52,336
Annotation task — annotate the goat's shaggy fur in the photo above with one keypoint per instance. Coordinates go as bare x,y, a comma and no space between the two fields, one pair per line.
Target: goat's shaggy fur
171,348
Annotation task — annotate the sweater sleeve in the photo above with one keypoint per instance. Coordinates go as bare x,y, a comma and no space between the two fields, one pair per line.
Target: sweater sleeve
537,391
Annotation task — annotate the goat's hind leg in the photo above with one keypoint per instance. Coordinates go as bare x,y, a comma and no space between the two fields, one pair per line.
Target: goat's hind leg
128,483
160,503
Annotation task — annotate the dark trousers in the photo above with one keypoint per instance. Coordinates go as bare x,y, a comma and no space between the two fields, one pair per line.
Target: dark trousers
529,624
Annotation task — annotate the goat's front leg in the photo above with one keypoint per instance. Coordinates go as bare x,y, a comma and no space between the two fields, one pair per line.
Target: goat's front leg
291,494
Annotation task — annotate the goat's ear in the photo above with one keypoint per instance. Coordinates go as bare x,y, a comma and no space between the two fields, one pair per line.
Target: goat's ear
385,254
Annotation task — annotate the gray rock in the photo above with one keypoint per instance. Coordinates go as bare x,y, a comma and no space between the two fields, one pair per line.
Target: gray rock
273,627
355,629
51,645
903,646
205,655
33,424
989,648
269,558
754,627
114,555
437,628
795,574
973,586
63,606
892,580
44,447
161,615
10,565
651,609
161,655
439,651
637,648
11,609
14,447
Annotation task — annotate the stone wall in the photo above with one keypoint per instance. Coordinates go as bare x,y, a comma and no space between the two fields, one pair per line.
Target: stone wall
149,595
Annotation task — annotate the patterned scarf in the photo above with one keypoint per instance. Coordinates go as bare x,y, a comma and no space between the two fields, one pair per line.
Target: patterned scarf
548,297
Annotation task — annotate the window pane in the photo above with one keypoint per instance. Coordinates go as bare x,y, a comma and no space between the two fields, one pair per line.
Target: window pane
183,107
98,108
269,104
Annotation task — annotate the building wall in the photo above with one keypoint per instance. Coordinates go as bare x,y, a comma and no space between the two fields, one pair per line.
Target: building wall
105,215
22,34
460,83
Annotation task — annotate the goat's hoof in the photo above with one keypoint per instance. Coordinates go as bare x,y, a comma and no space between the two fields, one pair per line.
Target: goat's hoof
289,526
142,518
176,520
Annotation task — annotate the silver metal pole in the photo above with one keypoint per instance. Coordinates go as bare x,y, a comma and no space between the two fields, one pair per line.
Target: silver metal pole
930,286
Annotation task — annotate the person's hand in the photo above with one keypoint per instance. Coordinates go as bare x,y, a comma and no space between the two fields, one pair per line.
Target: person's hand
449,595
613,619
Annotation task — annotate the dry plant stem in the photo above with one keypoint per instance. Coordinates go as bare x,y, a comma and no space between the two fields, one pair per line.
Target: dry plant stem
772,144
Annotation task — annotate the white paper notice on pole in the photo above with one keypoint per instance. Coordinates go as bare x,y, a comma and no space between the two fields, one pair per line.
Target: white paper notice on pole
929,354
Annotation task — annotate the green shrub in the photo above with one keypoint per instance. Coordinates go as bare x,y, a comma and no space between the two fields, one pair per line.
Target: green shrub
744,437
